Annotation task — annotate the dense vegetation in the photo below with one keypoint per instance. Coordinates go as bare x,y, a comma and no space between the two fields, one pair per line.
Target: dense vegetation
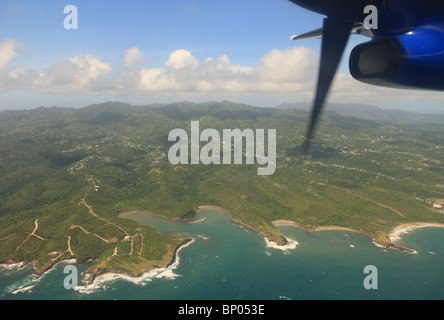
67,174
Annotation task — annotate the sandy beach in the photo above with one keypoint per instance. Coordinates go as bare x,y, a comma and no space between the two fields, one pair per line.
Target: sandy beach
395,234
292,223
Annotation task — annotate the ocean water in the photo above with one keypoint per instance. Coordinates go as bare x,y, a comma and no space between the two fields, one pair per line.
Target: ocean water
227,261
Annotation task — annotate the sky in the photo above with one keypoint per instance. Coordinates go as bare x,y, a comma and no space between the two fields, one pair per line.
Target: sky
161,51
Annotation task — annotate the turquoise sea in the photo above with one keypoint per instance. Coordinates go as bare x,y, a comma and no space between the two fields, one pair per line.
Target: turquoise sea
227,261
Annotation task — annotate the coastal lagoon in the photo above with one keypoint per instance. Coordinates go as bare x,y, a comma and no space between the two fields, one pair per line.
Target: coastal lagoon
227,260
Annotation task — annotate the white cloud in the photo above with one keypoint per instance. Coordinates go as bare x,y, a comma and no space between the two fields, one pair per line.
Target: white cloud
181,59
286,74
83,72
295,65
8,51
134,57
289,71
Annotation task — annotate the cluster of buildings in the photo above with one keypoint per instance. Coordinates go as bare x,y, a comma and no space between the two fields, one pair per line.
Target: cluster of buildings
439,205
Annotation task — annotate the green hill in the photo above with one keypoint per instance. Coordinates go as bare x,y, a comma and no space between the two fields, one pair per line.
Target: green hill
366,174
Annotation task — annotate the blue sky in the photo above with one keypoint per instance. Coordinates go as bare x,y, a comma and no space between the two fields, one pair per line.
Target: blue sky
244,30
168,50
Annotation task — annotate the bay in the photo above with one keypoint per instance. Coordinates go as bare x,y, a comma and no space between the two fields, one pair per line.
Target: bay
228,261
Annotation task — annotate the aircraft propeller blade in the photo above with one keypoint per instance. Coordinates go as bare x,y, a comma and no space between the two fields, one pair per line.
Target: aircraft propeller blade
336,33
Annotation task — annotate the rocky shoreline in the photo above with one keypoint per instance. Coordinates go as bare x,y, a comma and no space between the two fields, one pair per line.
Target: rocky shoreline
391,237
389,241
283,241
95,272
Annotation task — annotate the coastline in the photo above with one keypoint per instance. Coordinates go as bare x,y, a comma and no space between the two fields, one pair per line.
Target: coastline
389,241
199,209
277,240
104,275
392,237
98,275
295,224
395,234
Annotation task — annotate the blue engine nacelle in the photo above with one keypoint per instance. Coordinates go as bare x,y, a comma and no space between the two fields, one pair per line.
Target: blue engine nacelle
412,60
